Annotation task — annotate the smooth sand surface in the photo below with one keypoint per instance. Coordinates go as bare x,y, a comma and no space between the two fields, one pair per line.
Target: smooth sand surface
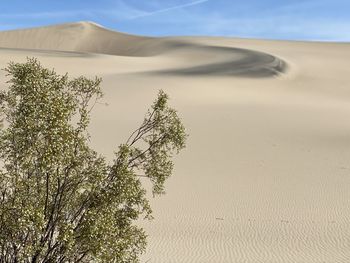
265,176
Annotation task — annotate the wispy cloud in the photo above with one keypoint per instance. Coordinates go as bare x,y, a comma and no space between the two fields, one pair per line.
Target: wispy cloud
121,11
182,6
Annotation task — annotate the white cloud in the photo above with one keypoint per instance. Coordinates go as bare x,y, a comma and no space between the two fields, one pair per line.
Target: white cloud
121,11
163,10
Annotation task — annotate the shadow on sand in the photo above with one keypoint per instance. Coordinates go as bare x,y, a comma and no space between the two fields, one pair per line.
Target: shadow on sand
237,62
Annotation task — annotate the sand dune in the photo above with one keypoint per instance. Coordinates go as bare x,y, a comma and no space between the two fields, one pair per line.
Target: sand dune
93,38
77,37
265,176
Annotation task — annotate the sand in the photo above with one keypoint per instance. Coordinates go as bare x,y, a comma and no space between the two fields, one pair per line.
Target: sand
265,176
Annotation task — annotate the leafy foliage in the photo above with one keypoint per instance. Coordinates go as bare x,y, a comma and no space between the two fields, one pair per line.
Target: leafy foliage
59,200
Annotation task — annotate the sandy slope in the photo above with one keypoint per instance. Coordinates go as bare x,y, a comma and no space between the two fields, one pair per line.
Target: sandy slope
266,174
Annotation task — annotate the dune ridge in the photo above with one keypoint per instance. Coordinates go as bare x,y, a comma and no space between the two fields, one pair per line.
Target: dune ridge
82,36
89,37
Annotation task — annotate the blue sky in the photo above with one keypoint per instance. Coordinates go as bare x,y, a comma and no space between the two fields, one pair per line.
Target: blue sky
325,20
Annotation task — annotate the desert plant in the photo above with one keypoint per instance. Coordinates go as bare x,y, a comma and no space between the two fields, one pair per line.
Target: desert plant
59,200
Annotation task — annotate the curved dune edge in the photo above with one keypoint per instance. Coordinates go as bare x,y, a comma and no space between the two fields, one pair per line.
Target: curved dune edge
237,62
89,37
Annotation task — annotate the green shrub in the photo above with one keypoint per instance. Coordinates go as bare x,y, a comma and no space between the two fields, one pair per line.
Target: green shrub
60,201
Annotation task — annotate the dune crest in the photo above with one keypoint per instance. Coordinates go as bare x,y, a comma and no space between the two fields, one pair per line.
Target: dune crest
75,37
89,37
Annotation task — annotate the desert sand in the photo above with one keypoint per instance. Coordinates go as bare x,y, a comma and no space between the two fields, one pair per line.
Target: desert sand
265,176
